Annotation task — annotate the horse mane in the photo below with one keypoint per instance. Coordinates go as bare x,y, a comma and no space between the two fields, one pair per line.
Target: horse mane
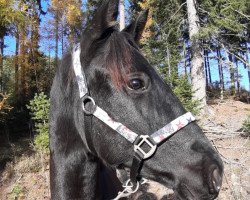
119,58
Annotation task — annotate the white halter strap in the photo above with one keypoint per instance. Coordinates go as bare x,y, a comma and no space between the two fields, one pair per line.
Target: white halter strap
81,79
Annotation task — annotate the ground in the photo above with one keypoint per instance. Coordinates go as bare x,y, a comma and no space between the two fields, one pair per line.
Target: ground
223,128
27,176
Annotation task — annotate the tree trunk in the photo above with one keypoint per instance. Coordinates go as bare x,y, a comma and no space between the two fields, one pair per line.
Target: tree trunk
248,67
122,14
206,68
70,38
185,54
1,62
169,67
208,72
248,97
17,66
56,38
23,59
221,75
62,39
34,49
197,68
22,64
237,78
232,76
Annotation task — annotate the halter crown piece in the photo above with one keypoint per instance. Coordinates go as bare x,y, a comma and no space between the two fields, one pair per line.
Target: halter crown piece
132,184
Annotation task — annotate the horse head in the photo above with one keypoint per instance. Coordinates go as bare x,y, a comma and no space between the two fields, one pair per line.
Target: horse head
121,82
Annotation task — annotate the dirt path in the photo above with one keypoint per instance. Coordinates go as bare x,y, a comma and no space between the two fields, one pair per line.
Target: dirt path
28,176
223,128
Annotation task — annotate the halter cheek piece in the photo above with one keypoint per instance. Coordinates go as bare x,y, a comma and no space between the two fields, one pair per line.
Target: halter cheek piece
90,108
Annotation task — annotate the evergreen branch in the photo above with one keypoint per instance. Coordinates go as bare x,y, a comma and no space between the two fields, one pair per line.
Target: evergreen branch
244,15
176,12
201,9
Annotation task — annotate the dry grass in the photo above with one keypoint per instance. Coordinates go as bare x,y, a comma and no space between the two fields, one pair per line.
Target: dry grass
223,128
26,176
236,156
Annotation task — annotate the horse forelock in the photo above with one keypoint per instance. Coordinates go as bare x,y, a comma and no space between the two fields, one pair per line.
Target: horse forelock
119,60
117,49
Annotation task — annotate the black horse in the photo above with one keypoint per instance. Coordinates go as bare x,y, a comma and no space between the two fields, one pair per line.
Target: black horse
85,152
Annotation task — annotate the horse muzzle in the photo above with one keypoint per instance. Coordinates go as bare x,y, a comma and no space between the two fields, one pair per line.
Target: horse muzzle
205,185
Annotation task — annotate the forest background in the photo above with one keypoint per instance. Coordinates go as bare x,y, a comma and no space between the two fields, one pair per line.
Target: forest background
200,47
181,37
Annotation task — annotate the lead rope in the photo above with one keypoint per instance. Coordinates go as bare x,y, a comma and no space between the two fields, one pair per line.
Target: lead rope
131,185
128,188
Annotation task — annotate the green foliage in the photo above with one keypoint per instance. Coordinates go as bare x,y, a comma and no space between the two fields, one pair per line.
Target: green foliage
227,15
224,21
39,108
42,139
246,125
8,74
183,90
16,192
9,14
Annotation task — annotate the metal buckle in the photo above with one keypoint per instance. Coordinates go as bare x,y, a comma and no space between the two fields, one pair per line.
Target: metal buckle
88,100
141,139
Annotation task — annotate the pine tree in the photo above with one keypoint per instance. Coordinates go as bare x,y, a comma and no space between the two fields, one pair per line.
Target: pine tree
8,15
68,18
225,24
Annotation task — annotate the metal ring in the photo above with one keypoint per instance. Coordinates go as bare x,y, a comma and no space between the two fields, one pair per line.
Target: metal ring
129,186
88,99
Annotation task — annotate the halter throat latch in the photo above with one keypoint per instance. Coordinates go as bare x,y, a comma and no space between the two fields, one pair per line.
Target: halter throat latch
140,155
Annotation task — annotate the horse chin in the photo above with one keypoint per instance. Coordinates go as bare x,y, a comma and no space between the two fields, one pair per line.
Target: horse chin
163,192
159,190
180,192
184,193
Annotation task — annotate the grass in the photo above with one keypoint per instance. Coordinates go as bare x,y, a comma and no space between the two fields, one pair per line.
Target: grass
16,192
24,161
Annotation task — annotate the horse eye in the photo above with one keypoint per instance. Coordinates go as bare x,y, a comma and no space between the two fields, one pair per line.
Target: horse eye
136,84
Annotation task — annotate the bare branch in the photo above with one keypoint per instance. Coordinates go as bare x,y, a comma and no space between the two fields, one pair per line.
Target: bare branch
237,56
176,12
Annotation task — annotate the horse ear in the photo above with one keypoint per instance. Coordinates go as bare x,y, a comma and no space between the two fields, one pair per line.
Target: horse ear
104,18
137,26
102,23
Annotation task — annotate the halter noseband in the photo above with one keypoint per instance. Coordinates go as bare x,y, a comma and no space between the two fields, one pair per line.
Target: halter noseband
138,141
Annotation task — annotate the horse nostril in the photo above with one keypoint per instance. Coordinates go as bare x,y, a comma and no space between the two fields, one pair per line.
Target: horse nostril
216,180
